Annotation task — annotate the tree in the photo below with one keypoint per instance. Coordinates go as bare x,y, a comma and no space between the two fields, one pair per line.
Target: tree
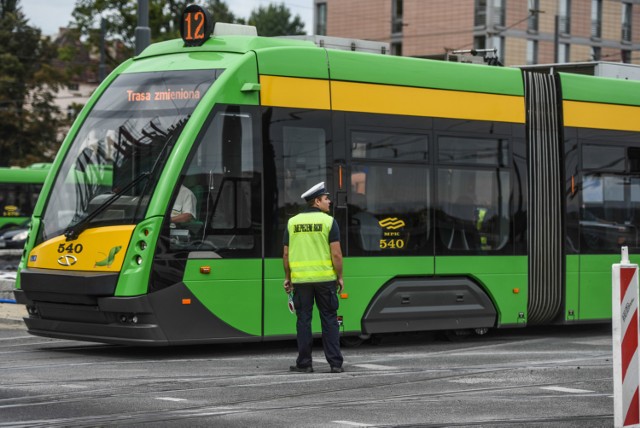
29,119
275,20
122,19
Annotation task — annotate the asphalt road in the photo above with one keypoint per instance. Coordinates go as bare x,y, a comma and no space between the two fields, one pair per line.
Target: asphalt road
541,377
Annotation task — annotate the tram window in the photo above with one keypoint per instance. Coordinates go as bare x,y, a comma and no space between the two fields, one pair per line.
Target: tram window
610,212
388,210
222,177
296,151
633,154
473,210
610,207
305,163
15,200
603,158
473,151
388,146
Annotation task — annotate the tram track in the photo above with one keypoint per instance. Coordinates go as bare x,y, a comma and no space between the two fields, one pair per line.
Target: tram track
245,406
324,393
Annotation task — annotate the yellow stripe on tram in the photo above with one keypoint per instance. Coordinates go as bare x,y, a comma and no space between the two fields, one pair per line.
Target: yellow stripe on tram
294,92
372,98
603,116
388,99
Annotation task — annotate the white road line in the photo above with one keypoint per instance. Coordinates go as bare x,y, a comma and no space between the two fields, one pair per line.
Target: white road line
19,337
375,367
595,342
571,390
171,399
353,424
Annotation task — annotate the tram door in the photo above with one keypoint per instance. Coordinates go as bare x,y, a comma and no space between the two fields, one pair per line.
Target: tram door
297,147
222,179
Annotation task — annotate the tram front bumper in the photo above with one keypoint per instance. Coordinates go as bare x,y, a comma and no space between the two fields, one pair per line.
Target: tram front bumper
115,320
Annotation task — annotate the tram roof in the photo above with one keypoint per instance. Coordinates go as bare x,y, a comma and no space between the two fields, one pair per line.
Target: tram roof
275,55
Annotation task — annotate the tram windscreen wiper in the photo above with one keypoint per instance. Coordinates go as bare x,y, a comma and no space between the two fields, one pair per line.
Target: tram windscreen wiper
74,231
168,138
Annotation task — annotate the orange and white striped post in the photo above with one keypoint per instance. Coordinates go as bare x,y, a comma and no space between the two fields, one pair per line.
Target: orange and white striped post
626,363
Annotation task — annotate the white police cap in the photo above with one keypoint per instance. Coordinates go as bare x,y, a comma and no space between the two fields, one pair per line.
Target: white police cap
314,192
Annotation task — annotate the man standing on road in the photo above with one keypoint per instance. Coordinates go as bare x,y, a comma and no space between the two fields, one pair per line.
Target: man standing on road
313,271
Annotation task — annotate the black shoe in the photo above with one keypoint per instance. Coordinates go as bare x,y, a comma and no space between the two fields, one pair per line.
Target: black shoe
337,370
301,369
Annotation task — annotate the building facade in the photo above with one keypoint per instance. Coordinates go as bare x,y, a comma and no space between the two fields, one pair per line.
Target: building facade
522,31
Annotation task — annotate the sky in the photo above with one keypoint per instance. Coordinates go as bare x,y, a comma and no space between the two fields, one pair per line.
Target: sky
49,15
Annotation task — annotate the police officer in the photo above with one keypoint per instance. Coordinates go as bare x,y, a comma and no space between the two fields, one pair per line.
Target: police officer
313,271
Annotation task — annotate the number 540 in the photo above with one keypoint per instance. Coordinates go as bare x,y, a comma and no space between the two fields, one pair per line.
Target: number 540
392,243
70,248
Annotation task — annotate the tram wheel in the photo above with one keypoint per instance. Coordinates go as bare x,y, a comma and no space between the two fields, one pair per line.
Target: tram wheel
457,335
351,341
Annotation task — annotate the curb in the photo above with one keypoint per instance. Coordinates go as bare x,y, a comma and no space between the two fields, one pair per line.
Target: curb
11,314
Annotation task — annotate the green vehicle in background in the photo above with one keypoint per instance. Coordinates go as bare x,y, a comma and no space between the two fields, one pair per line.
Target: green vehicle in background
468,197
19,191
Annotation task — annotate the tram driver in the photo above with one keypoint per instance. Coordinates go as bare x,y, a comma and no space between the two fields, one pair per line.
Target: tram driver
184,208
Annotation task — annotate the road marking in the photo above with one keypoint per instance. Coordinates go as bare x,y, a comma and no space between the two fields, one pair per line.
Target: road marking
595,342
19,337
353,424
171,399
571,390
475,380
69,385
375,367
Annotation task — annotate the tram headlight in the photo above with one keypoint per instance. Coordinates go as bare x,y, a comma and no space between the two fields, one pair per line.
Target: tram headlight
138,260
142,245
128,319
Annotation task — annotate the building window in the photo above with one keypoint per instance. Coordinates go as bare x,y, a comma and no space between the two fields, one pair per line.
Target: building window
396,14
480,13
564,16
596,18
321,19
534,7
497,42
626,22
396,49
596,53
563,52
532,52
499,13
625,56
479,42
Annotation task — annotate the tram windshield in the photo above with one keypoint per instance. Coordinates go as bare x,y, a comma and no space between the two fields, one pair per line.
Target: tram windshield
110,170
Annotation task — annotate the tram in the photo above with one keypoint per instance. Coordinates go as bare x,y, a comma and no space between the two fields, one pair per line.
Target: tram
468,197
19,191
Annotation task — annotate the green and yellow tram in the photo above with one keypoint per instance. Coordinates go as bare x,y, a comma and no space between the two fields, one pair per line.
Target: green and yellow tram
19,191
468,197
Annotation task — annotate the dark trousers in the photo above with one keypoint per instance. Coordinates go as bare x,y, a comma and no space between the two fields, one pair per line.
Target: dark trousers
324,294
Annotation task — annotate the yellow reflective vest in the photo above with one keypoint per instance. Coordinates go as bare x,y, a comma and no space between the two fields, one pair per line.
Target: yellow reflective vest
309,251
